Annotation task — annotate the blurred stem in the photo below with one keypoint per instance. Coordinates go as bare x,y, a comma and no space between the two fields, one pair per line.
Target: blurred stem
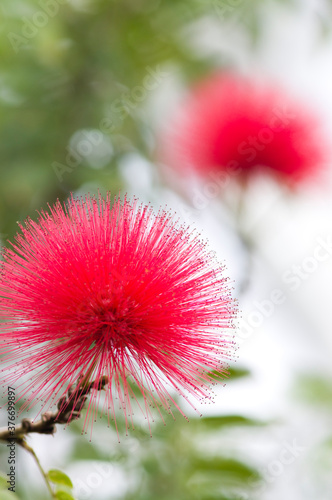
31,451
247,242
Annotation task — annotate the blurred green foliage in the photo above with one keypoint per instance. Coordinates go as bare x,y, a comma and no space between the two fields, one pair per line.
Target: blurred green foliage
172,464
4,493
80,65
314,389
183,460
70,65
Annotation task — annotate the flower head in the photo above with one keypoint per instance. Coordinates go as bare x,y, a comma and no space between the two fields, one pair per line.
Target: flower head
99,290
232,124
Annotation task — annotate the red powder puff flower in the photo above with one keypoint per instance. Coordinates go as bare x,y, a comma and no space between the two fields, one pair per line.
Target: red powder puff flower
116,292
231,124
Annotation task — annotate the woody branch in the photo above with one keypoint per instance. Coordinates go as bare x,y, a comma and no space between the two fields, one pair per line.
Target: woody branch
69,407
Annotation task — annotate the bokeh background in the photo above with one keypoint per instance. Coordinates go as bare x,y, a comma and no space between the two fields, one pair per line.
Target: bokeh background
86,89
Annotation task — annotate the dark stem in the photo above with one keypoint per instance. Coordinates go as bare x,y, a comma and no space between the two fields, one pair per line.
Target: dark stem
69,408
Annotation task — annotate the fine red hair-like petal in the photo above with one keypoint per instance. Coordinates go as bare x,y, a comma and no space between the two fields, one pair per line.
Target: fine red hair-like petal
236,125
112,290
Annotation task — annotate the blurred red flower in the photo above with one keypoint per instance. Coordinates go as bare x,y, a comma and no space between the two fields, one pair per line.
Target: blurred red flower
112,291
232,124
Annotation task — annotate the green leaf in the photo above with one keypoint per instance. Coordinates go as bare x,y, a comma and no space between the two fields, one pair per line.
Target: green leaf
315,390
232,374
227,467
8,495
227,420
3,482
235,373
63,495
83,450
59,477
221,478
